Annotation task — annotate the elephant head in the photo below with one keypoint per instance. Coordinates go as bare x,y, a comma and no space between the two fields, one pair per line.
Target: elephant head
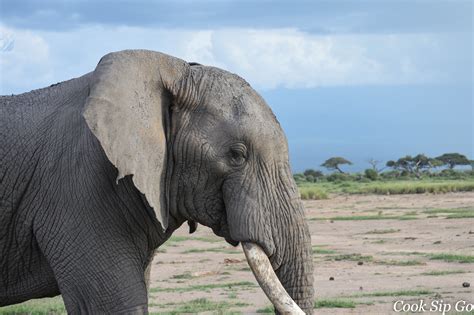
203,146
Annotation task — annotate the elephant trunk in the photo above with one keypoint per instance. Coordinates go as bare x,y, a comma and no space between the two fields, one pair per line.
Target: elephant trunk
266,277
290,287
296,270
272,216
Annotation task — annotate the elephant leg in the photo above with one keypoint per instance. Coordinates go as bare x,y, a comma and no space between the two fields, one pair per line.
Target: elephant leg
113,286
101,282
99,269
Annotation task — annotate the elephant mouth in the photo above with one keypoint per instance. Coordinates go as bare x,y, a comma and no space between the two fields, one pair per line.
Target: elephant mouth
259,262
231,241
223,231
268,280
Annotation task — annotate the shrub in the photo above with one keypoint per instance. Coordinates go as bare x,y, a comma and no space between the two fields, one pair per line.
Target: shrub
338,177
371,174
390,174
313,173
312,193
448,173
418,188
299,178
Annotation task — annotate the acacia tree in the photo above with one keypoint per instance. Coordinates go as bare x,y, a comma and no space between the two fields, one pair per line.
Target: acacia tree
453,159
335,162
414,165
402,164
374,163
435,163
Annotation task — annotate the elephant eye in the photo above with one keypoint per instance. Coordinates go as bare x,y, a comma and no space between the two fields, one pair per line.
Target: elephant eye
238,154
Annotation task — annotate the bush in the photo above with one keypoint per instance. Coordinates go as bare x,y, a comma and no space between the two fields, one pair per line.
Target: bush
405,174
338,177
390,175
371,174
364,180
299,178
312,176
453,174
312,193
417,188
447,173
469,173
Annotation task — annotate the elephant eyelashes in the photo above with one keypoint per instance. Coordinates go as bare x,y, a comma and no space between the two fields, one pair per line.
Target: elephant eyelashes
238,154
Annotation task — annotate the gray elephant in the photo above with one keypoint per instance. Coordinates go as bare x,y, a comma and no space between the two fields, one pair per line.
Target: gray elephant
98,171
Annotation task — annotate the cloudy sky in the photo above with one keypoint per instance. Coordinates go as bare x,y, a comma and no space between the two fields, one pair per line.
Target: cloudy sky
359,79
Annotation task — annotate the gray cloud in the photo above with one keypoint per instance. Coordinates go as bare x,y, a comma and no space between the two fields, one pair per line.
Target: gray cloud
317,16
267,58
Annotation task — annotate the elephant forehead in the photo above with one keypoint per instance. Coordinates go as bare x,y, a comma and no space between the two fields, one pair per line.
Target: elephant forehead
240,108
253,114
250,118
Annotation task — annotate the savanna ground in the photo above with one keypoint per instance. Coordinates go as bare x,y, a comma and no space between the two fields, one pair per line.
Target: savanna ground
369,251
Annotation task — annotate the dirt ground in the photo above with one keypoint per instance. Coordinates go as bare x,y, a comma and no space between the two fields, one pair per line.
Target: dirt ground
377,250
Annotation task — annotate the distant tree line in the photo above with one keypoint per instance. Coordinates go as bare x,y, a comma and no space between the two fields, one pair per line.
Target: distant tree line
408,166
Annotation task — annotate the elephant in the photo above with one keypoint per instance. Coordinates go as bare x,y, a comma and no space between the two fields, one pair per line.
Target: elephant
98,171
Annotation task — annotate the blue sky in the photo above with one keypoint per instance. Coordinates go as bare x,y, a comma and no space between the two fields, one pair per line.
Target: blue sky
360,79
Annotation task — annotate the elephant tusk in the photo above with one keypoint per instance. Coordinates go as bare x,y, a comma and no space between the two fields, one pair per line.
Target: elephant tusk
268,281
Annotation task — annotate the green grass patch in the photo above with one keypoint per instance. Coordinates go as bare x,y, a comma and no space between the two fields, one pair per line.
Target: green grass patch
395,293
448,257
402,263
322,251
448,211
185,275
232,295
405,253
200,305
46,306
460,216
414,187
351,257
386,231
367,217
385,187
211,250
266,310
334,303
312,193
442,272
320,303
455,213
206,287
179,239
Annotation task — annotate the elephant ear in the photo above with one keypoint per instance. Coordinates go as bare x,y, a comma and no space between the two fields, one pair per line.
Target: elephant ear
127,110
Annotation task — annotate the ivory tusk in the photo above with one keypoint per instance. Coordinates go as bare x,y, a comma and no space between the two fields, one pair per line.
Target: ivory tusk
268,280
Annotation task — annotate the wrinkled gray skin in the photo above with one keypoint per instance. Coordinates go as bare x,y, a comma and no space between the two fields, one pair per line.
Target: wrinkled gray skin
68,227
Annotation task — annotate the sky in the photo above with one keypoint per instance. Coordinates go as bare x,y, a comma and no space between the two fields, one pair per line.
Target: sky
359,79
